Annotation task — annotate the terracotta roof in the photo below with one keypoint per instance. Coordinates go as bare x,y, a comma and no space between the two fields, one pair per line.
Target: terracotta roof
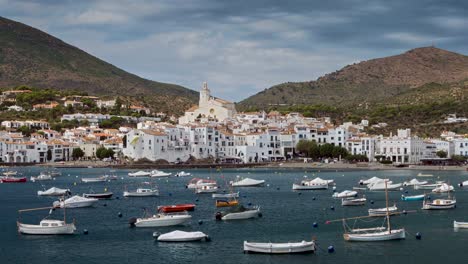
193,108
153,132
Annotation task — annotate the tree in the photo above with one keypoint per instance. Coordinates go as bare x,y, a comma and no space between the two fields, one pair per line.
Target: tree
49,155
25,130
441,154
77,153
303,147
102,153
459,158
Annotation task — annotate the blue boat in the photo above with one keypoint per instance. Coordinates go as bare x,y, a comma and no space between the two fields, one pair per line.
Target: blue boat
413,198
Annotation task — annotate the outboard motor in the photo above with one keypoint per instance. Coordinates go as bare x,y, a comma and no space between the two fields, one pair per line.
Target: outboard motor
156,235
218,216
460,184
132,221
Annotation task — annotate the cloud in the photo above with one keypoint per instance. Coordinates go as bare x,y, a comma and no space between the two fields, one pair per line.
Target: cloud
97,17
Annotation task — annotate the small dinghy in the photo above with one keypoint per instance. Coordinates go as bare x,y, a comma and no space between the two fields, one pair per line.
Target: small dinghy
247,182
54,191
371,180
104,195
239,213
344,194
141,192
183,174
460,224
181,236
279,248
414,182
353,201
413,197
424,175
160,219
444,188
380,186
139,174
429,186
10,179
41,177
225,195
463,184
226,203
97,179
158,173
383,211
197,182
176,208
206,189
309,185
75,202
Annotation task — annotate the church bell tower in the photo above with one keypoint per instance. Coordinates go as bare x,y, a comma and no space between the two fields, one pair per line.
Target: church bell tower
204,94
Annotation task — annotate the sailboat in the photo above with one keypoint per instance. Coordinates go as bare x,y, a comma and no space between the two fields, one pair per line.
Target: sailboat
46,226
375,233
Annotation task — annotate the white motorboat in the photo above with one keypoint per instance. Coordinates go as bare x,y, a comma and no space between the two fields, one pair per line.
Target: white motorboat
319,180
380,186
430,186
439,204
225,195
54,191
463,184
460,224
92,180
139,174
158,173
239,213
414,182
181,236
197,182
383,211
444,188
41,177
424,175
47,227
206,189
247,182
183,174
308,185
371,180
279,248
375,236
344,194
141,192
10,173
75,202
353,201
161,219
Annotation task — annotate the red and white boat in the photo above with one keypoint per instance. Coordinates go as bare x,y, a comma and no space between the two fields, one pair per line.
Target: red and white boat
8,179
176,208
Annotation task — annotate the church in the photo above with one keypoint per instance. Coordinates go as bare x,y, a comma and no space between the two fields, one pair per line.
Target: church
209,108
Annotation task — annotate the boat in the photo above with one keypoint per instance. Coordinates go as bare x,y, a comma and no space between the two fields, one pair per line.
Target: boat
10,173
373,234
383,211
181,236
41,177
104,195
380,186
97,179
46,226
247,182
10,179
353,201
460,224
308,185
183,174
141,192
424,175
139,174
226,203
158,173
319,180
444,188
414,182
206,189
54,173
225,195
344,194
439,204
75,202
162,219
54,191
430,186
371,180
197,182
176,208
463,184
280,248
239,213
413,197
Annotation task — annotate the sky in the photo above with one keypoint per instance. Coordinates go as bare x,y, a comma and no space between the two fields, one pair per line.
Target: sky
243,47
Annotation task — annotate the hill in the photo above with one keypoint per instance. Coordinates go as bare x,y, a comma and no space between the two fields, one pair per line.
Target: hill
369,81
31,57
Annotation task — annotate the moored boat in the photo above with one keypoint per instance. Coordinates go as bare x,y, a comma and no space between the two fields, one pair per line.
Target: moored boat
353,201
460,224
439,204
181,236
92,180
383,211
183,174
226,203
414,182
54,191
139,174
225,195
344,194
197,182
247,182
413,197
386,235
308,185
444,188
380,186
104,195
158,173
176,208
141,192
10,179
279,248
239,213
46,226
206,189
161,219
41,177
424,175
429,186
75,202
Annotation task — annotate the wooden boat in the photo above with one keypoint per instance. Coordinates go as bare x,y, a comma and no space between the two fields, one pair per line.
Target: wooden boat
226,203
413,197
247,182
225,195
383,211
181,236
344,194
46,226
279,248
176,208
239,213
54,191
206,189
141,192
460,224
104,195
139,174
10,179
307,185
197,182
161,219
75,202
353,201
439,204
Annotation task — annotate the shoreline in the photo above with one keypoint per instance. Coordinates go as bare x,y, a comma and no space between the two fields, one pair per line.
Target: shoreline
273,165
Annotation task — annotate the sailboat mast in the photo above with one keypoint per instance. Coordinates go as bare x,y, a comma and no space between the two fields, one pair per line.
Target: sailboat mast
386,203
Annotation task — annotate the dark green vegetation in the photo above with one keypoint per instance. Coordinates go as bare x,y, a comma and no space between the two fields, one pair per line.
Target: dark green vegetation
417,89
312,150
77,153
102,153
31,57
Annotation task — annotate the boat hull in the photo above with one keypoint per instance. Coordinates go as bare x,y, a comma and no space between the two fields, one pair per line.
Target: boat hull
163,221
376,236
176,208
107,195
310,187
460,224
353,202
26,229
138,194
413,198
180,236
279,248
225,195
241,215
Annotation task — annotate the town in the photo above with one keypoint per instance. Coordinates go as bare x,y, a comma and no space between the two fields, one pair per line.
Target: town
213,131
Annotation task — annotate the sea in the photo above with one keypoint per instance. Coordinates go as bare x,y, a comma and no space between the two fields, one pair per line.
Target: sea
287,216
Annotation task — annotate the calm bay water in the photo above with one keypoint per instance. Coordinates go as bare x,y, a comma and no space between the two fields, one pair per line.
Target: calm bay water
287,216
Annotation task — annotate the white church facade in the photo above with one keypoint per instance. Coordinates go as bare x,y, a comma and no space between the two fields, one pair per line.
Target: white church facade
209,108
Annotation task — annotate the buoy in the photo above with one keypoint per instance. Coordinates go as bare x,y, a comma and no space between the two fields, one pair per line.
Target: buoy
334,187
278,188
244,196
117,197
104,205
404,212
249,204
170,194
332,208
299,193
260,214
315,224
331,249
268,185
119,214
313,198
406,191
85,231
372,201
200,222
74,183
156,234
196,200
418,236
